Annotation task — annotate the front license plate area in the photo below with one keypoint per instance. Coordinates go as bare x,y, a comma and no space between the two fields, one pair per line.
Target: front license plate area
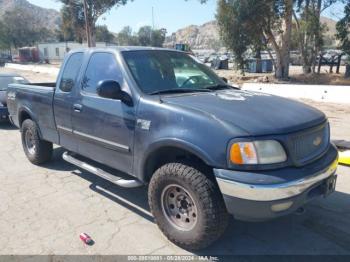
329,185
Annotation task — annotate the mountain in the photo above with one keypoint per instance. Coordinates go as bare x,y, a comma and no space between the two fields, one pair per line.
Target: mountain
207,36
198,37
48,18
331,25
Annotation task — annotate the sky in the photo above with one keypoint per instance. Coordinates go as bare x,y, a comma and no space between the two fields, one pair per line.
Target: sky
169,14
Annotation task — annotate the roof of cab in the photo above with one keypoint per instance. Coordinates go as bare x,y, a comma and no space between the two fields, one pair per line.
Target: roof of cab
123,49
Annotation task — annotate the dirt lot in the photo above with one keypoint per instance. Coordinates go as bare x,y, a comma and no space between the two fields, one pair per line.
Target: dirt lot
44,209
31,76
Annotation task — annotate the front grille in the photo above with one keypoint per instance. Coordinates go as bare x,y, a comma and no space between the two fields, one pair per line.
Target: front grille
310,144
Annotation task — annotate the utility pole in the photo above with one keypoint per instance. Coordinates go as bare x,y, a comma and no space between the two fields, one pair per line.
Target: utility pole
152,17
87,25
151,33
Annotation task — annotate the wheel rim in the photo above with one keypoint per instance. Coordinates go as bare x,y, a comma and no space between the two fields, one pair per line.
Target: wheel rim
30,142
179,208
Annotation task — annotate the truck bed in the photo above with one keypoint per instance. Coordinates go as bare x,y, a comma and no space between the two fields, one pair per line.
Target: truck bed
36,98
53,84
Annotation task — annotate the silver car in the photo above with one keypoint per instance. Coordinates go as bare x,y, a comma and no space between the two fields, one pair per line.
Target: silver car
5,80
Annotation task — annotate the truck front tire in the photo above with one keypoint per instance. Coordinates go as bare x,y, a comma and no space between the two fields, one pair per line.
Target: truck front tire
187,206
37,151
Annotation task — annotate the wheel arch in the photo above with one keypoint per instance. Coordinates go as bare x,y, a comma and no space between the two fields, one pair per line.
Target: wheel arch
25,113
167,151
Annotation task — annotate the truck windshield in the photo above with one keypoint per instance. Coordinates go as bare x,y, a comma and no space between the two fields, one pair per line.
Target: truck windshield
159,72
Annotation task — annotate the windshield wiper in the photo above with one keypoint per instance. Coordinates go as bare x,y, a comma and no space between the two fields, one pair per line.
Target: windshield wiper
219,87
179,90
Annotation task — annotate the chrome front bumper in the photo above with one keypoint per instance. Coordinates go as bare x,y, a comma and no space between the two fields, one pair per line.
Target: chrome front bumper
273,192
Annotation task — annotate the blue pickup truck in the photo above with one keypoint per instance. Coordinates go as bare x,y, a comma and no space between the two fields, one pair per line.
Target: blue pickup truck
161,118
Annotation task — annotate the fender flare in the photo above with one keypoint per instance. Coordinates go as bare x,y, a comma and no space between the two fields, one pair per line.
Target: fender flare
175,143
26,110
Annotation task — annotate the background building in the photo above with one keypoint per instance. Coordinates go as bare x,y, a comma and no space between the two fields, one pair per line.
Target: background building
55,52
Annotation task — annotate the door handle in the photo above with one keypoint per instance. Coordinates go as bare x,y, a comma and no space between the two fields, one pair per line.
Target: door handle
77,108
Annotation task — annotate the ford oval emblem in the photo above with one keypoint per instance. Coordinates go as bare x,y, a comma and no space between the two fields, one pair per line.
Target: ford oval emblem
317,141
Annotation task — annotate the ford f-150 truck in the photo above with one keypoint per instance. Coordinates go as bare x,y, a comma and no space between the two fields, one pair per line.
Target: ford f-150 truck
161,118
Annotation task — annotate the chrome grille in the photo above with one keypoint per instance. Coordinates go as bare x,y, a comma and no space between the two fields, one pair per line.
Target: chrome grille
308,145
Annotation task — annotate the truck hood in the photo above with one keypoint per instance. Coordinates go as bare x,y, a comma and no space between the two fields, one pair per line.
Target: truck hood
256,113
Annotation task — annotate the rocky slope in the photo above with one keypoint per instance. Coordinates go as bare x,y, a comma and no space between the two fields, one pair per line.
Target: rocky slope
207,36
48,18
198,37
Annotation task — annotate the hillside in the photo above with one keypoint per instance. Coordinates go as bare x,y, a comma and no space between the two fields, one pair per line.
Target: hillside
207,36
331,25
198,37
331,30
48,18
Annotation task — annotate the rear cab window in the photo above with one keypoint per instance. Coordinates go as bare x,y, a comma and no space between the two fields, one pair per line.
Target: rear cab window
71,72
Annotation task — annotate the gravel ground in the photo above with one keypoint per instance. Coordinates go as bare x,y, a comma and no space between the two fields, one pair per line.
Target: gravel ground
338,115
44,209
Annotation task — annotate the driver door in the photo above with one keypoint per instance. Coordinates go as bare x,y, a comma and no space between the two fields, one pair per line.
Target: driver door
104,127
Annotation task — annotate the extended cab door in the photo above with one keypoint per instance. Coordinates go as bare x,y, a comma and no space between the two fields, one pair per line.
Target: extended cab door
64,99
104,127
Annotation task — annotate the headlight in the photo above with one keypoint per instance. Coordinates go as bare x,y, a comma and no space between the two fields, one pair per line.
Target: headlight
257,152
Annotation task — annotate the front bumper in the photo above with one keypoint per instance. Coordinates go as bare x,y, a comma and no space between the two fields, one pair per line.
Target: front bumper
269,194
4,113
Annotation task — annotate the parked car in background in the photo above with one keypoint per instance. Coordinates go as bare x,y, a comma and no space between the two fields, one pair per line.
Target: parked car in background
5,80
16,59
4,58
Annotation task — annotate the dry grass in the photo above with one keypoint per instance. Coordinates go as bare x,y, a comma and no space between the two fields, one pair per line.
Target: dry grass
296,77
321,79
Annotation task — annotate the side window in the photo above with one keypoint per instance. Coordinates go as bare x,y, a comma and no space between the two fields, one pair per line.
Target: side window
102,66
71,72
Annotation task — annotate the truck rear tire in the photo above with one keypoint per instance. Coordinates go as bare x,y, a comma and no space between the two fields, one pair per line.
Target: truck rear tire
37,150
187,206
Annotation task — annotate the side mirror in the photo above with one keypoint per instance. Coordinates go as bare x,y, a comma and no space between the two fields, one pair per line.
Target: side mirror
67,85
111,89
225,79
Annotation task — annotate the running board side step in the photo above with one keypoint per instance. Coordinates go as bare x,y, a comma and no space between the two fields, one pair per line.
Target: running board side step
99,172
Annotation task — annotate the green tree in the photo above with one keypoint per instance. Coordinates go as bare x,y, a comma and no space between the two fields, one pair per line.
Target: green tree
158,37
126,37
236,37
104,35
343,31
249,25
309,31
151,37
95,9
4,38
73,22
145,35
21,28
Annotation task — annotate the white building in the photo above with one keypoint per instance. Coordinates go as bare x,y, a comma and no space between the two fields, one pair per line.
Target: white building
55,52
